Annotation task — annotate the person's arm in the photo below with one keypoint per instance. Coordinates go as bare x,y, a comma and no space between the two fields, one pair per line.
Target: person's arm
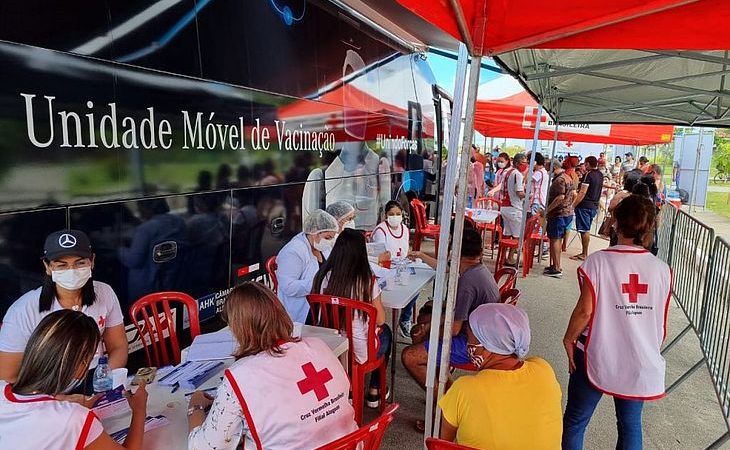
555,203
223,427
494,190
138,404
10,365
578,322
581,194
378,304
456,327
448,431
115,343
289,272
430,260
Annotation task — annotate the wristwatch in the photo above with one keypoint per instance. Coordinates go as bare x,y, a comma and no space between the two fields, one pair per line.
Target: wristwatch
193,408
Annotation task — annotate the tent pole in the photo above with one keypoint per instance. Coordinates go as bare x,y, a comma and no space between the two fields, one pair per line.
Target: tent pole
443,248
471,103
693,203
526,202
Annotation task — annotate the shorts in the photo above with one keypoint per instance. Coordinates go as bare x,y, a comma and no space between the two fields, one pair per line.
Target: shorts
557,226
584,218
511,221
459,354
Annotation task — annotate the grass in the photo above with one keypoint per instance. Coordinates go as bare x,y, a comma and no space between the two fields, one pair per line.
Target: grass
718,202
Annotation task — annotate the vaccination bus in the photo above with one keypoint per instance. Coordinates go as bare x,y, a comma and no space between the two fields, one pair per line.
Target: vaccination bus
190,138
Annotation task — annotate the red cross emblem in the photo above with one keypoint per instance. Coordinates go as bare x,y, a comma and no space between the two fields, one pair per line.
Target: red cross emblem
634,288
102,321
314,381
529,118
569,144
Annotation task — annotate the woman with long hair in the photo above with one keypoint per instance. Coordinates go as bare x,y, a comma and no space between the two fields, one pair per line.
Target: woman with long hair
36,413
347,274
282,393
68,284
617,328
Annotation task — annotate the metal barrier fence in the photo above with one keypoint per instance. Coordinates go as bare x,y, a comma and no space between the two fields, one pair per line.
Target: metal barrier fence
664,233
690,252
715,336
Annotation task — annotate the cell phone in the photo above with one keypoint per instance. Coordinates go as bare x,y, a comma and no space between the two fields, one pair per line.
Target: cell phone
146,374
412,270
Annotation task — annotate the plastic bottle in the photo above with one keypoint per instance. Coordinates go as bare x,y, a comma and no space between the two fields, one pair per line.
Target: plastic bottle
103,376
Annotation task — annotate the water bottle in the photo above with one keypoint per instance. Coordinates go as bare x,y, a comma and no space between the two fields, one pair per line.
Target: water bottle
103,376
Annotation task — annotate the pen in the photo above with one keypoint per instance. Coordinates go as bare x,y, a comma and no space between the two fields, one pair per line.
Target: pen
204,390
174,388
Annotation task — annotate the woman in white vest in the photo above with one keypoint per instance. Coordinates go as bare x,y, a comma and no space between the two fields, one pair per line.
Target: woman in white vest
617,328
300,259
35,413
395,236
281,393
347,274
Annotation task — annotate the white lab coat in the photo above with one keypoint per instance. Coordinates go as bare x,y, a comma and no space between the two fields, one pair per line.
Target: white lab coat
296,268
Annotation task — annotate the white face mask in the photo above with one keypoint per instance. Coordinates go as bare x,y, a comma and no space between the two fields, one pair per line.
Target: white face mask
349,224
324,245
395,221
501,165
71,279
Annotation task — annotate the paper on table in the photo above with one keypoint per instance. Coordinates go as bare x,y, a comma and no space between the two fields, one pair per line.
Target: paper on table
150,423
218,345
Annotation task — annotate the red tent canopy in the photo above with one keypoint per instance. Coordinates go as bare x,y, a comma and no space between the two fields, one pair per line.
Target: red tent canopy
497,26
364,118
504,109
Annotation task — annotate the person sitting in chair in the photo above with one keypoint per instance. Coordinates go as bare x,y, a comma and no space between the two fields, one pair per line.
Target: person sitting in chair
509,394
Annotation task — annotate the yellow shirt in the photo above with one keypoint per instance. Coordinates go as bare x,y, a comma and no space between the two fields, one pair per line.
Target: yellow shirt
507,409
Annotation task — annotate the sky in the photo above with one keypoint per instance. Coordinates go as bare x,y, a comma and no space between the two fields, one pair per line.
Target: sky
444,69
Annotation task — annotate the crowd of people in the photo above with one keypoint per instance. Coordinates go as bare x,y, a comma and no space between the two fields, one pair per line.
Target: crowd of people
52,337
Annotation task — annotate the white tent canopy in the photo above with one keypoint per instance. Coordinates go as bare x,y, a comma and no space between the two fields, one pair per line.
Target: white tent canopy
626,86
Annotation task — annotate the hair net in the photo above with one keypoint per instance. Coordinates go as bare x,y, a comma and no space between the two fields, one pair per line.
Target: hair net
502,329
340,209
319,221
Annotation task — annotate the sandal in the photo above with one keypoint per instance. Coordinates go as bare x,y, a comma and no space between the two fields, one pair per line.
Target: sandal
578,258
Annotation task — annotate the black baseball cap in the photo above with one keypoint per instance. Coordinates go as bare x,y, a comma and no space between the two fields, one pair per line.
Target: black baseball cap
629,154
67,243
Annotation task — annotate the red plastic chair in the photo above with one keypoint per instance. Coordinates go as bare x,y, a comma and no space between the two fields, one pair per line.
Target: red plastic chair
534,238
440,444
328,311
527,248
367,437
271,267
510,296
509,275
147,311
423,228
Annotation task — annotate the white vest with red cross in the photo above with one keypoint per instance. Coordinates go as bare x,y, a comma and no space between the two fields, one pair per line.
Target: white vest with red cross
505,198
295,401
631,289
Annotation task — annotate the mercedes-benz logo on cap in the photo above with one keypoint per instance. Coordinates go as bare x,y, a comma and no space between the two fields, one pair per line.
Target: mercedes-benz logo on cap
66,241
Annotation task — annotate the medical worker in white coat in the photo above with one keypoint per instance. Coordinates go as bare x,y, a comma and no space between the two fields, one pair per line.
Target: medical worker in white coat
616,331
300,259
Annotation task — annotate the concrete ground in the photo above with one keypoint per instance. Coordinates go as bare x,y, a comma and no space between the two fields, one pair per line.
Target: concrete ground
688,418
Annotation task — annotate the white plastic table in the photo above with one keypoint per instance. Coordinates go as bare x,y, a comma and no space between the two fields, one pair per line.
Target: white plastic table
174,406
483,216
396,297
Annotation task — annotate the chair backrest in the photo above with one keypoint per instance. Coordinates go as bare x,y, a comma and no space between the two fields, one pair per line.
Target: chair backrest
368,437
510,296
148,310
271,267
506,277
440,444
488,203
532,226
330,312
419,210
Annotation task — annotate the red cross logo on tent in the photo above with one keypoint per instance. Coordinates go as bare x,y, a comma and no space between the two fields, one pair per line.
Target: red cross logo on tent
314,381
634,288
569,144
529,118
